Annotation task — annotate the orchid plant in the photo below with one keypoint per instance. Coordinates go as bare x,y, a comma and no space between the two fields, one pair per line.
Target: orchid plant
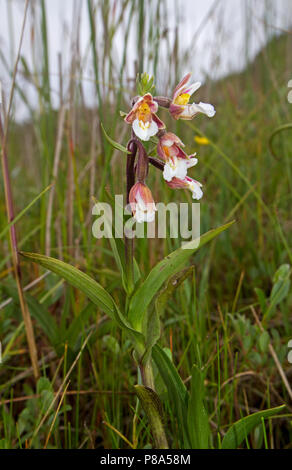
139,310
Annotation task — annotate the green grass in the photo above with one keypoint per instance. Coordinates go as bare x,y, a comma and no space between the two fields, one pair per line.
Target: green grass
208,321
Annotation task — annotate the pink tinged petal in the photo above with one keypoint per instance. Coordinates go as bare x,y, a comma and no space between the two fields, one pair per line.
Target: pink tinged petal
132,196
160,124
173,143
169,139
148,98
153,107
187,183
140,201
146,194
181,84
177,183
181,154
190,90
176,110
173,151
160,151
132,114
130,117
166,142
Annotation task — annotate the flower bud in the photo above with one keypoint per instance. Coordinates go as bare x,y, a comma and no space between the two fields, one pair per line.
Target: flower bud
142,203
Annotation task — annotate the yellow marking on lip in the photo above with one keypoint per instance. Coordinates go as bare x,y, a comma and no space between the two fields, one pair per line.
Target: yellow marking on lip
166,150
183,99
144,113
172,163
144,125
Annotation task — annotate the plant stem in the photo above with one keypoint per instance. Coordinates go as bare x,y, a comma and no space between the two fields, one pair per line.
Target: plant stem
152,405
147,375
149,399
153,409
129,242
156,163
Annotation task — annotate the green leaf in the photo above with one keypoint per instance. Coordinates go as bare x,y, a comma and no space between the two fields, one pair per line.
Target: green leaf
281,285
178,394
152,328
261,298
280,289
166,292
94,291
152,333
111,344
198,423
168,267
145,84
237,433
44,384
113,143
282,274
